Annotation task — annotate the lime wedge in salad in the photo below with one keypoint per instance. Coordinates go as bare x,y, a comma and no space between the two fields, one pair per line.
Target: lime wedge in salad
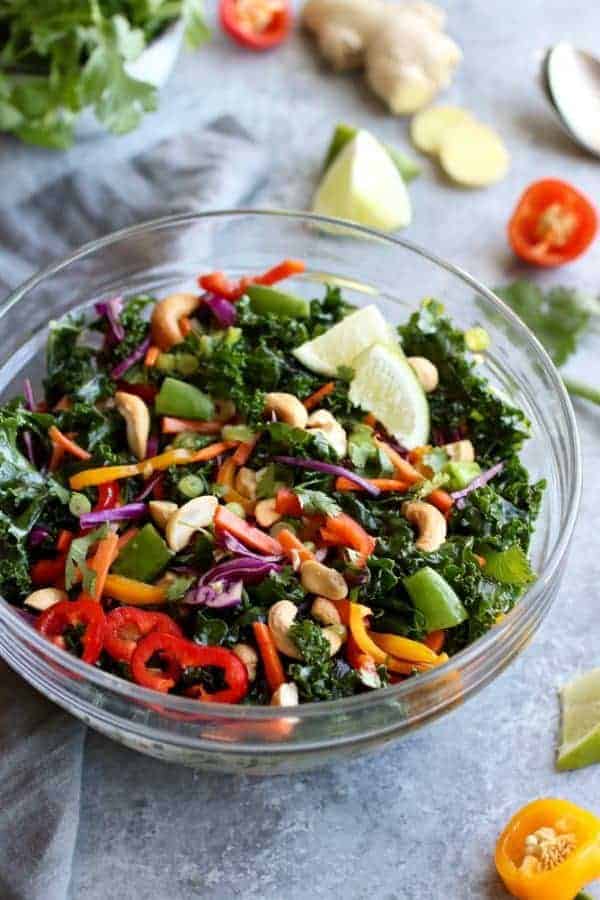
340,345
363,184
580,701
384,384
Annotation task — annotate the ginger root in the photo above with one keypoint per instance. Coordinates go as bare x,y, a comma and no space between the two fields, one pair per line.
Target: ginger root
406,55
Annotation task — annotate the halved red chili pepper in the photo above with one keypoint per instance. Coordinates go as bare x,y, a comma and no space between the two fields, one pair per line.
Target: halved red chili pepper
552,224
127,625
256,24
177,655
75,623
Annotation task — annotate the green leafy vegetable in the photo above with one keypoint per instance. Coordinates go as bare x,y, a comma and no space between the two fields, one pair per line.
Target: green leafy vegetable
509,566
319,677
179,587
316,503
76,559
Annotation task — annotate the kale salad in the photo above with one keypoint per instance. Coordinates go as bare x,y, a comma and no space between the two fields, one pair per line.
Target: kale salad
243,496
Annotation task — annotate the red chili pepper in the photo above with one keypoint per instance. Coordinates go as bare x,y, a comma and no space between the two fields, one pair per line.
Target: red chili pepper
177,655
552,224
127,625
256,24
46,572
108,496
85,618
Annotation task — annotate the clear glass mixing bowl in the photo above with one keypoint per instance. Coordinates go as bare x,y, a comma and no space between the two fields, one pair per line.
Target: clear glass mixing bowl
159,256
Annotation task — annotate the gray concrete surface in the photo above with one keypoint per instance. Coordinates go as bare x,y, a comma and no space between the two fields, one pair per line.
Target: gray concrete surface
419,820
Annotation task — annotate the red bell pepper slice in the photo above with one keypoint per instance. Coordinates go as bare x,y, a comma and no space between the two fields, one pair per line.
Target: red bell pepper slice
552,224
344,531
177,655
252,537
146,392
256,24
287,503
82,620
127,625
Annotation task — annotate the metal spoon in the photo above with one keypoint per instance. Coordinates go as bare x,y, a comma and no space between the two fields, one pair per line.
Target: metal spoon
571,81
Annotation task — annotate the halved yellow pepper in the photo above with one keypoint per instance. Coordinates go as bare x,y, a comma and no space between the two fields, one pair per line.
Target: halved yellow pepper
549,850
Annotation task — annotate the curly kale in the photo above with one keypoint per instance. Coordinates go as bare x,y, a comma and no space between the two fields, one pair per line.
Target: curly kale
69,363
135,324
319,677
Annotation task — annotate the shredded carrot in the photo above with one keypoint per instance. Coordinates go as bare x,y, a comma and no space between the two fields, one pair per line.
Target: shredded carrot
58,454
319,395
244,451
384,484
404,470
102,560
63,541
442,500
152,354
185,326
174,425
293,546
370,420
435,640
271,661
57,437
226,473
212,450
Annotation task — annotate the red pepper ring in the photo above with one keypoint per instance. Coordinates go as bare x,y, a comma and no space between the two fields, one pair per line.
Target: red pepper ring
178,654
86,616
127,625
256,24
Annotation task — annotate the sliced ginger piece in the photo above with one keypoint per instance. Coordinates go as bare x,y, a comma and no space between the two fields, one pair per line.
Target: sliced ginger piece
429,127
473,155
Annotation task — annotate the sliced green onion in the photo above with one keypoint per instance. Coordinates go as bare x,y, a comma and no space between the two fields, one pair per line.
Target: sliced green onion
79,505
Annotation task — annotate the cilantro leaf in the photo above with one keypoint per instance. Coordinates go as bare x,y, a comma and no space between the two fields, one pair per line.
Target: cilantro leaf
509,566
315,503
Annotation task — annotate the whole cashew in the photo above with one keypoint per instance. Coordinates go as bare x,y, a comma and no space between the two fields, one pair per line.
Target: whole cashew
161,511
245,482
137,418
425,371
430,523
282,616
325,612
45,598
323,421
265,513
166,331
249,657
189,518
460,451
287,408
336,636
322,580
286,695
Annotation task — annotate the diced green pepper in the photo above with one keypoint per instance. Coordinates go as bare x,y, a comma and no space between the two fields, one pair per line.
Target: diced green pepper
237,433
435,599
143,557
178,398
343,134
266,300
460,474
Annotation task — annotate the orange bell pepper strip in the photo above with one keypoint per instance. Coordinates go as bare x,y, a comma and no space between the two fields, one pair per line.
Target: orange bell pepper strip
404,648
134,593
549,850
357,617
212,451
174,425
252,537
69,446
315,398
293,546
287,503
384,484
344,531
271,660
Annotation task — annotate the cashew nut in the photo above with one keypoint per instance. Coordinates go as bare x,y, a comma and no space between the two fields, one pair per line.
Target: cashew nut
323,421
460,451
286,695
245,482
336,636
281,618
45,598
265,513
325,612
161,511
166,331
425,371
430,523
322,580
287,408
137,418
249,657
189,518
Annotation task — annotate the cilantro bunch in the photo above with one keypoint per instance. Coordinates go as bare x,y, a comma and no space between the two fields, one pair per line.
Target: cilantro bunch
58,57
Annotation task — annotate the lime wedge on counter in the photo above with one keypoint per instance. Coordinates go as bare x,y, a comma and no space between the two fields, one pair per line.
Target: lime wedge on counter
580,700
340,345
363,184
384,384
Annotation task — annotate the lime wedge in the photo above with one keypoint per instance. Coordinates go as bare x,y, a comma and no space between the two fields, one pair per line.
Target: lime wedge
580,737
384,384
363,185
342,343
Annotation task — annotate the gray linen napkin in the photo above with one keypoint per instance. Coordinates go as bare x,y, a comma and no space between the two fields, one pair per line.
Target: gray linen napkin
40,746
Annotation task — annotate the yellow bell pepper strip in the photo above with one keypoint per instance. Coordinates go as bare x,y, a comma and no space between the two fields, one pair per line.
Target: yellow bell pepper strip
549,850
134,593
357,621
404,648
177,457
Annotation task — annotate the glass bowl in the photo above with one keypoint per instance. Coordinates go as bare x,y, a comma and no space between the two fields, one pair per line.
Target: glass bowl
167,254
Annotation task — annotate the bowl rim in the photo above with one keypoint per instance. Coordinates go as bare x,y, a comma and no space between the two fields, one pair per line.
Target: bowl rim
518,622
